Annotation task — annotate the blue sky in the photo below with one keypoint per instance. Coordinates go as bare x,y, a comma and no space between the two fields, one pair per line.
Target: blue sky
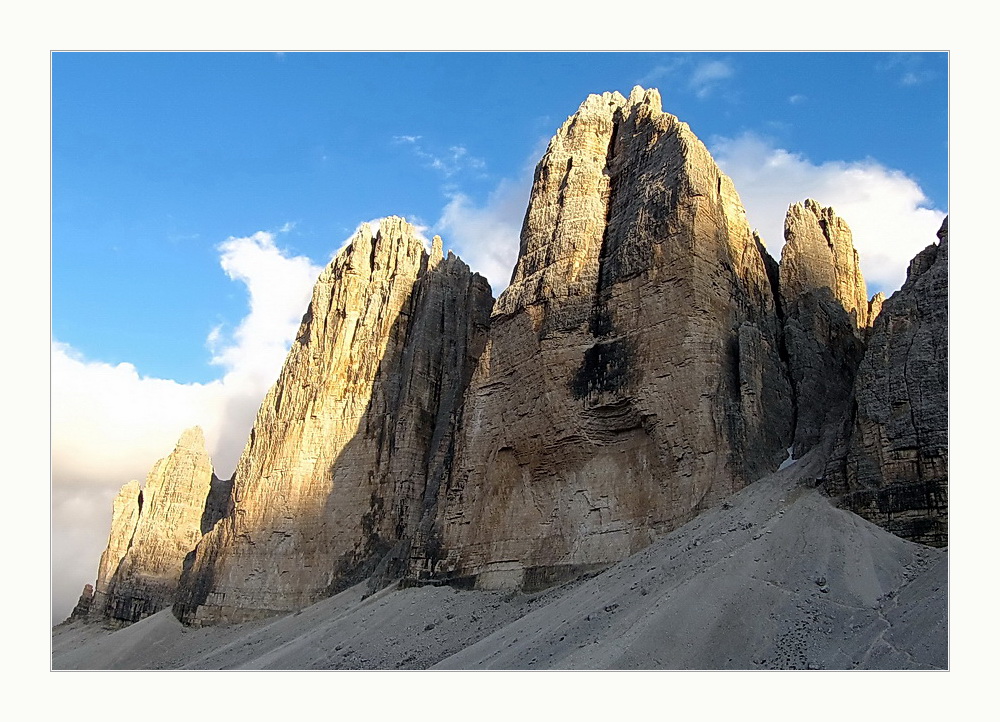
195,197
160,157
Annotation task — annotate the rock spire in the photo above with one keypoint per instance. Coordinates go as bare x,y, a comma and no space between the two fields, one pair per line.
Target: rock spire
631,376
826,316
353,440
819,253
152,532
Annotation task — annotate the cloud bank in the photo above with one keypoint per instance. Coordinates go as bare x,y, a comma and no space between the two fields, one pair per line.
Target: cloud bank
889,214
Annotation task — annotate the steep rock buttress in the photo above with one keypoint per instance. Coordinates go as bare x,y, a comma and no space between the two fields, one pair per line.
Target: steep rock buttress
826,317
351,443
890,464
631,377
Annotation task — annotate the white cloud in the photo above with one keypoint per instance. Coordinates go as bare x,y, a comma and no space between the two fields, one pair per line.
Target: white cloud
702,77
909,67
110,423
887,211
707,76
797,99
487,237
279,289
449,162
660,72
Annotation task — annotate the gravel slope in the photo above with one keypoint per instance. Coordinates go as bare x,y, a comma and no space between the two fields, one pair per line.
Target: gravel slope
775,578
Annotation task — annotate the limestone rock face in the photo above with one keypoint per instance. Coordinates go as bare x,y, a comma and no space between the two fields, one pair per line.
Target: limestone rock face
819,253
631,377
153,530
826,315
891,462
352,442
124,517
82,608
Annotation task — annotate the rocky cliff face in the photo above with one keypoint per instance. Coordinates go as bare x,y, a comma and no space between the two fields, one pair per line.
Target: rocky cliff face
353,440
124,517
648,359
891,462
826,316
152,531
631,376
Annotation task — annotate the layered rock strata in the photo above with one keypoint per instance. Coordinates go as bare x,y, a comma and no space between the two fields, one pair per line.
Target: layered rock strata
352,442
152,532
826,316
891,462
632,376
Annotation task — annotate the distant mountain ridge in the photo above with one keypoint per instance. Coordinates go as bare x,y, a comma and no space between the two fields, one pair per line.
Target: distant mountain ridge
648,360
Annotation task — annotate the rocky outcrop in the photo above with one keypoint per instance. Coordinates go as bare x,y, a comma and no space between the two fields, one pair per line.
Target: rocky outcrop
352,442
826,315
124,517
631,377
891,462
153,530
82,608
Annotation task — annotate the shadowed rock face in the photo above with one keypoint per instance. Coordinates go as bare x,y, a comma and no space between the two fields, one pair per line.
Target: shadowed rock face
631,377
826,316
891,461
353,438
152,531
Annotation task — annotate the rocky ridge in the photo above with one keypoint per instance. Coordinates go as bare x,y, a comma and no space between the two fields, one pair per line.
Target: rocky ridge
648,360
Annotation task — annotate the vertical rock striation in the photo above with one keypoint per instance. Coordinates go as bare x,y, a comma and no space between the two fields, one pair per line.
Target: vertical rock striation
352,442
631,377
826,316
124,517
819,253
648,359
152,531
890,464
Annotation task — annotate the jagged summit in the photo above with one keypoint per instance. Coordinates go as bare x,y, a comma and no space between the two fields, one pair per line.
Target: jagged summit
609,164
826,316
348,446
153,529
819,253
193,438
